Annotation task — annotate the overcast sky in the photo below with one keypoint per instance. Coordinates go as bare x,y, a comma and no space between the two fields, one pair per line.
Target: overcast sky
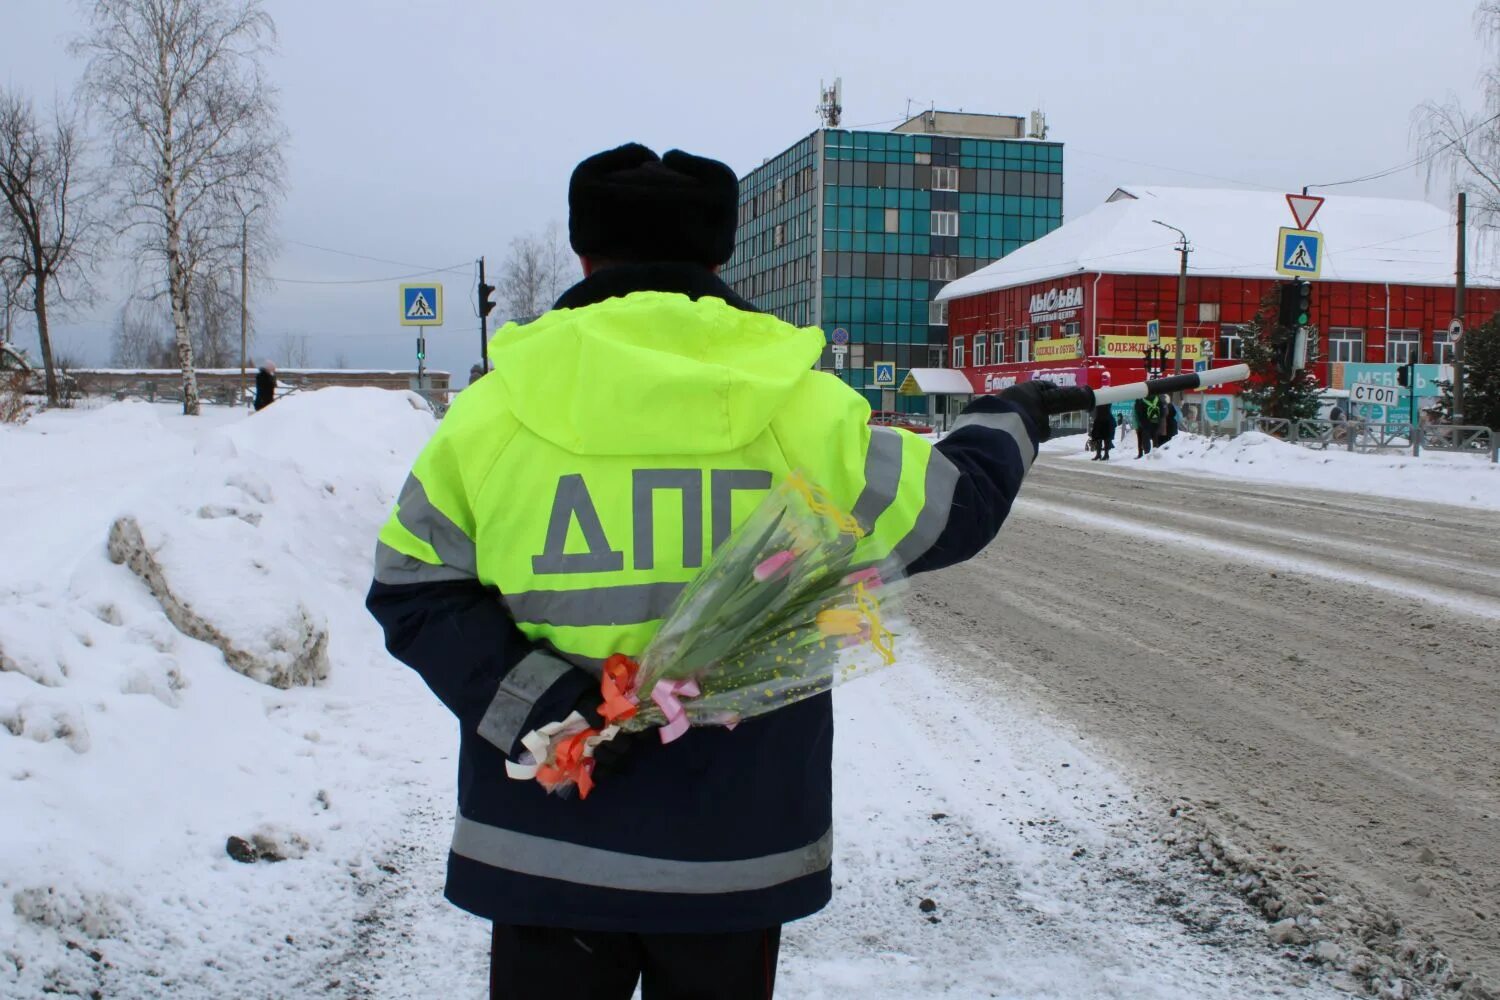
429,134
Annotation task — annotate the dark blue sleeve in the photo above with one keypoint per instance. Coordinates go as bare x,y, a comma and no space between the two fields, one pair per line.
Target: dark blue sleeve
459,637
991,448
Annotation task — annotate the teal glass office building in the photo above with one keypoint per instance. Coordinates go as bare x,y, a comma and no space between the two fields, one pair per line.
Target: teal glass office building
857,231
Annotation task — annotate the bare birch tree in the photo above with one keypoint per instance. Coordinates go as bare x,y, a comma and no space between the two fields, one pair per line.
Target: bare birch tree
1464,144
142,336
195,133
296,351
47,223
538,268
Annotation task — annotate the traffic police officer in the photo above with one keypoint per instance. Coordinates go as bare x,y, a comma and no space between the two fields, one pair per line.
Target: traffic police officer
563,503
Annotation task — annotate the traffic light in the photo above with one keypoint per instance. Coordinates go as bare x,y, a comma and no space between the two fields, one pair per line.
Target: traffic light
1295,307
486,299
1284,346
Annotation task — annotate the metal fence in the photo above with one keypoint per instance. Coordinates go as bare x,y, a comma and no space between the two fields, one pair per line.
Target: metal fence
1365,436
167,388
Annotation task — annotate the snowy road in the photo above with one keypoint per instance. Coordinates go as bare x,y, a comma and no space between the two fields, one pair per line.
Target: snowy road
1316,673
983,849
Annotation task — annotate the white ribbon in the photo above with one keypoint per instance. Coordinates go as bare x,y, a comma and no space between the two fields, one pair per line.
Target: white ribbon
539,742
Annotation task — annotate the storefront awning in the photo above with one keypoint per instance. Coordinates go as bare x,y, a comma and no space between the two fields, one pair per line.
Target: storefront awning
936,381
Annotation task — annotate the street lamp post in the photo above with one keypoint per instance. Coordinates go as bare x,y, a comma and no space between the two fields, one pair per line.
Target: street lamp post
1183,250
245,290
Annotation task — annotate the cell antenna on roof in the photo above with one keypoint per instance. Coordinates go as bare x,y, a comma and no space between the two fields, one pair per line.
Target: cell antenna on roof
1038,129
831,102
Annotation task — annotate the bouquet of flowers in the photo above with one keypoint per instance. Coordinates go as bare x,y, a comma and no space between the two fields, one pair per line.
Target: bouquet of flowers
783,611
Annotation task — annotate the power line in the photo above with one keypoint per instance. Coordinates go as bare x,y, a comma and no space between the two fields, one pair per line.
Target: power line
1411,163
371,281
1179,170
361,256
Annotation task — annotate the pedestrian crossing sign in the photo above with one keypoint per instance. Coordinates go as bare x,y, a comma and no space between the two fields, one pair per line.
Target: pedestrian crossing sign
422,305
1299,253
885,374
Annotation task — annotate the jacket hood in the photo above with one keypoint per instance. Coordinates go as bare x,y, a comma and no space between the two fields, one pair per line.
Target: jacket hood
651,372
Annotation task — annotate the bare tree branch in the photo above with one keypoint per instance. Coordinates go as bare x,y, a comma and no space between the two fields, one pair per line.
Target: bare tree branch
47,231
196,137
538,268
1462,146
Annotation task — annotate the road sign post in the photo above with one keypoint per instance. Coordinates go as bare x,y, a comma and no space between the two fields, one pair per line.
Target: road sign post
1299,253
422,306
1304,207
885,374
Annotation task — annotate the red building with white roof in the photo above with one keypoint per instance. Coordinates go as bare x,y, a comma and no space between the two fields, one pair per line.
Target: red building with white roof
1074,305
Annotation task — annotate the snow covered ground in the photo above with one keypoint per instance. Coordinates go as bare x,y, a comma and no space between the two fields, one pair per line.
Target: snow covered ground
130,753
1441,477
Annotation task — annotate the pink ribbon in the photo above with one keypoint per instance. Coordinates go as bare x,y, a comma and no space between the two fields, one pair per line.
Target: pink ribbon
666,695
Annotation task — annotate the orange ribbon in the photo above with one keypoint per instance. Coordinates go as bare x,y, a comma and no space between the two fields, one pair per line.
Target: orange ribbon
617,684
570,764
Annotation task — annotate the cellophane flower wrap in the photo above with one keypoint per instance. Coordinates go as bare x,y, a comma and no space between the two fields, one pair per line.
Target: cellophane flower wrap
784,610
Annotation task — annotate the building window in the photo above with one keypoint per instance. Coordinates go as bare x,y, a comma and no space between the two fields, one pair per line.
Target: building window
856,355
997,347
958,352
1044,332
942,268
1208,312
1070,329
1442,348
921,157
893,220
1402,346
1346,343
1231,343
944,223
1023,345
945,178
980,342
937,314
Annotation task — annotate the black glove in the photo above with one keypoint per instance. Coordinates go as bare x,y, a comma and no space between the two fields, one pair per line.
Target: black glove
615,756
1032,398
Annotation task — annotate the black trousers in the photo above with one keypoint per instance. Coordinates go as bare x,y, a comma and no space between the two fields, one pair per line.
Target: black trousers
1142,441
531,963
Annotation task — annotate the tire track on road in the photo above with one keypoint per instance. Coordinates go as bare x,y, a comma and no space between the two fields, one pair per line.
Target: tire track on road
1352,727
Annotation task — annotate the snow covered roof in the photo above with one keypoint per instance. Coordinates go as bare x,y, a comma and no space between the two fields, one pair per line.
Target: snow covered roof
947,381
1233,235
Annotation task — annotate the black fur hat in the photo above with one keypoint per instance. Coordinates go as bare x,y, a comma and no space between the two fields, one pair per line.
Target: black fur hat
629,204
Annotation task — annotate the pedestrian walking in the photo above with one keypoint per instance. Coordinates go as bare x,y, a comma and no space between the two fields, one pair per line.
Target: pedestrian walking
1147,416
1165,428
531,541
1104,433
265,385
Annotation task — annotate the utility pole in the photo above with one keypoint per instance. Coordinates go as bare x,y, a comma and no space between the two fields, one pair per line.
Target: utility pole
245,293
1458,309
1183,249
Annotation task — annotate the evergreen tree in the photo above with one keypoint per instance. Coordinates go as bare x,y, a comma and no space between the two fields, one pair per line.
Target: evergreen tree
1481,378
1267,392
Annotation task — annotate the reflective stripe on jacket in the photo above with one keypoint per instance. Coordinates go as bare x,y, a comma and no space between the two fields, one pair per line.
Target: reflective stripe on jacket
556,513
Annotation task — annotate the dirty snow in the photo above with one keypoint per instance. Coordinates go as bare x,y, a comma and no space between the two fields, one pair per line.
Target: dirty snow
1438,477
130,753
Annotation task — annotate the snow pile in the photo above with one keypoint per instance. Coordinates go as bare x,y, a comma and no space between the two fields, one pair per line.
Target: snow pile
131,751
1441,477
193,804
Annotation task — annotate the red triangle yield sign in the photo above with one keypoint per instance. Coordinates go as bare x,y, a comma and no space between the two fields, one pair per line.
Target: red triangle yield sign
1304,207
